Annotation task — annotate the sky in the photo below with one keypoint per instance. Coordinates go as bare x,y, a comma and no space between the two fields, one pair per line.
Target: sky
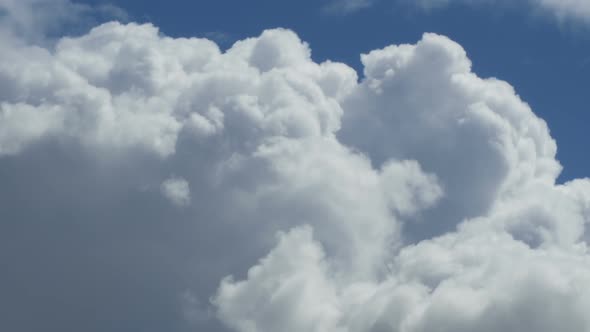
329,166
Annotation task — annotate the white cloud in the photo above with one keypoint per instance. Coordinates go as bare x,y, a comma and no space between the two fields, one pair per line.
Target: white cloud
422,102
289,291
177,190
495,162
124,85
460,282
421,198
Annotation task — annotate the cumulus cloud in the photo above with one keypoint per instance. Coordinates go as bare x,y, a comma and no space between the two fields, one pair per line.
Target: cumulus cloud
419,198
499,240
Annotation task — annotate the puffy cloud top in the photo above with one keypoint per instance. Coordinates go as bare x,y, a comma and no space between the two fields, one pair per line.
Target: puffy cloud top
125,86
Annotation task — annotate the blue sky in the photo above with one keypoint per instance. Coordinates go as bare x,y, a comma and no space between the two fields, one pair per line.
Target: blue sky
546,59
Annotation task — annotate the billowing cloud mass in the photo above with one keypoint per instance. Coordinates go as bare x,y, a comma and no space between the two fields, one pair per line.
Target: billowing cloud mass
416,198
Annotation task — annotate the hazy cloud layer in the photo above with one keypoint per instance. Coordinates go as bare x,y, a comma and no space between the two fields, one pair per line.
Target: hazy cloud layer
347,6
561,9
43,21
418,198
577,9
